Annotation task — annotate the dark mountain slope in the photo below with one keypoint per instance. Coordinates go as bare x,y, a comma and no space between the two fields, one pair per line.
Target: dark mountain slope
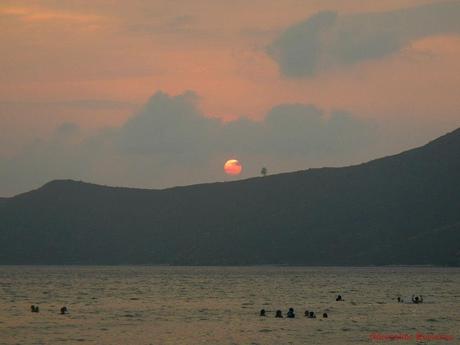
403,209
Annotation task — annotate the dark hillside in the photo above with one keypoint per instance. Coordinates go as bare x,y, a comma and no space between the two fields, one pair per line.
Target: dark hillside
402,209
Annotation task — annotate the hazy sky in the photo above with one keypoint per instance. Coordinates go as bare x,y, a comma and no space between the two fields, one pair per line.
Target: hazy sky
161,93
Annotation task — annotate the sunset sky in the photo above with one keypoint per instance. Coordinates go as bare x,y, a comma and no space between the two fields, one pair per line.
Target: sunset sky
162,93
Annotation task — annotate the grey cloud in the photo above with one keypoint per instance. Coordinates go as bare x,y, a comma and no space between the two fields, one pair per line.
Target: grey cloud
168,124
175,126
67,129
327,39
169,142
296,128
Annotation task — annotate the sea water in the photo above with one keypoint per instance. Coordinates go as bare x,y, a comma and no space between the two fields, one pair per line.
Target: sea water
220,305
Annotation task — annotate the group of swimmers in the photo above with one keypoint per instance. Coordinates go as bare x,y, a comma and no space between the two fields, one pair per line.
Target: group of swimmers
36,309
291,314
414,299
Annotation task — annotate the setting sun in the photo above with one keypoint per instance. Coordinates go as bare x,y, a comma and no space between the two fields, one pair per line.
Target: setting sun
232,167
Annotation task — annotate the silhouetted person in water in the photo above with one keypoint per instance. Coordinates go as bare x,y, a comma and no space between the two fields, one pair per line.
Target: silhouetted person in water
339,298
325,315
290,313
306,313
312,315
64,310
417,299
399,299
34,309
278,314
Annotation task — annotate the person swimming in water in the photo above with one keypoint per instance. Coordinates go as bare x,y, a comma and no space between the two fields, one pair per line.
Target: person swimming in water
417,299
279,314
324,315
312,315
290,313
339,298
64,310
34,309
306,313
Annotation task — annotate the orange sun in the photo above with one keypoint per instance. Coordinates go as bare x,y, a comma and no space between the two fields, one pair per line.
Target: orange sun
233,167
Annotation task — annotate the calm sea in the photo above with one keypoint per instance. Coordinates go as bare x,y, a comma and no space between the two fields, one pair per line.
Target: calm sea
215,305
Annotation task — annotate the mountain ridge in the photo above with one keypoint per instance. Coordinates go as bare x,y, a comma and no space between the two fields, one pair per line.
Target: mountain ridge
448,136
399,209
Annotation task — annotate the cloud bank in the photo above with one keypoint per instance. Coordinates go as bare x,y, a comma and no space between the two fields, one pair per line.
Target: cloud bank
328,39
170,142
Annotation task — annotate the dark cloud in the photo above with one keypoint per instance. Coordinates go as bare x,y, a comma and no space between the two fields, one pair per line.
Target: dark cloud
67,129
170,142
327,39
174,125
168,125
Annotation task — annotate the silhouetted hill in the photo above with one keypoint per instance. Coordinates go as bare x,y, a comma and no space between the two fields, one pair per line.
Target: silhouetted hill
402,209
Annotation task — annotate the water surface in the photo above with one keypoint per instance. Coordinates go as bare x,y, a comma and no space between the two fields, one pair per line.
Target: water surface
220,305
